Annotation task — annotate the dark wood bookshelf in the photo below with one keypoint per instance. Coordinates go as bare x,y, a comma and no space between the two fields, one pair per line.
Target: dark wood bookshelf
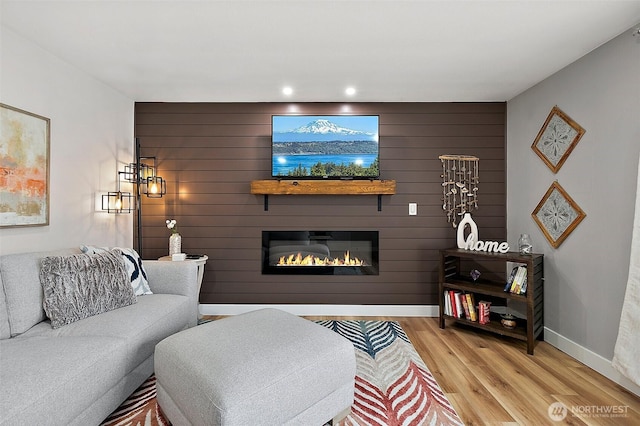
453,276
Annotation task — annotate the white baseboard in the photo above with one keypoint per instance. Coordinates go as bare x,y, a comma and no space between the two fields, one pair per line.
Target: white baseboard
328,310
590,359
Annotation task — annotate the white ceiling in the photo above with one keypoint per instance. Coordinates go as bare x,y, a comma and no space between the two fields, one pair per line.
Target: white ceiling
390,51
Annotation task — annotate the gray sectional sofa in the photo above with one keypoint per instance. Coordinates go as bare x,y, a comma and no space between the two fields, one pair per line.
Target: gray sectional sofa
78,373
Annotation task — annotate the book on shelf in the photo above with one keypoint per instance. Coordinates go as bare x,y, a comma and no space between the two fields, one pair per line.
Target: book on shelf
459,309
515,285
523,286
454,311
456,304
514,271
450,305
447,303
472,308
465,306
517,281
484,309
462,305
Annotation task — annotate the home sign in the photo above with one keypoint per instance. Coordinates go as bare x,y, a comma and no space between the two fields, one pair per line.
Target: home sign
473,242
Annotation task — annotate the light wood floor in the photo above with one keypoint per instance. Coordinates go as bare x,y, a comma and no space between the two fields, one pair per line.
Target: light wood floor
490,380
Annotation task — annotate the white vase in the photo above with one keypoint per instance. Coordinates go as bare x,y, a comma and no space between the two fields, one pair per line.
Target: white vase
175,244
473,236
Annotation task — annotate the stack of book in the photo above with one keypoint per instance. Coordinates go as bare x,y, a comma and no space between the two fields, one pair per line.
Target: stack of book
517,281
460,305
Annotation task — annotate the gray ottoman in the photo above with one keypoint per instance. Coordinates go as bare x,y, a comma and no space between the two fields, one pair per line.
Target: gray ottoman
265,367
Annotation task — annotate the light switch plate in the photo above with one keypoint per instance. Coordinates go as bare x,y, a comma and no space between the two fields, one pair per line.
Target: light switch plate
413,209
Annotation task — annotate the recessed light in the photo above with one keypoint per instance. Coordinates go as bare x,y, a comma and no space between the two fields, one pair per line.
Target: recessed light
350,91
287,90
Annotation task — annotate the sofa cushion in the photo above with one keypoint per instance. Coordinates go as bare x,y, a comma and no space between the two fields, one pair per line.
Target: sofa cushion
82,285
50,381
22,288
141,326
134,265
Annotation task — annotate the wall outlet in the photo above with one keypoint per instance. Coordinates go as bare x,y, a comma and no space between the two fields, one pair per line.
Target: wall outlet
413,209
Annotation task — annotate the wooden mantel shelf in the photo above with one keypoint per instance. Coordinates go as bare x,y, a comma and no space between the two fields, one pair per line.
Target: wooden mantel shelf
322,187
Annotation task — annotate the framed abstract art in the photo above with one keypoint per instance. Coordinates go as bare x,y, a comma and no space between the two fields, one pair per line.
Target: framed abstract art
24,168
557,215
556,139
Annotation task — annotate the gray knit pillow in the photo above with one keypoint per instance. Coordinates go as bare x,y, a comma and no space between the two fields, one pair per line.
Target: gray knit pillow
82,285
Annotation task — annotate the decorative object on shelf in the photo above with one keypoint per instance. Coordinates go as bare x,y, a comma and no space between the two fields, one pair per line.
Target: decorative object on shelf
175,240
24,184
472,237
175,244
484,312
475,274
508,321
524,244
556,139
557,214
473,242
459,185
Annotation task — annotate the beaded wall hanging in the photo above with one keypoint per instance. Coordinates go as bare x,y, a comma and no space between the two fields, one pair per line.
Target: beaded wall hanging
459,186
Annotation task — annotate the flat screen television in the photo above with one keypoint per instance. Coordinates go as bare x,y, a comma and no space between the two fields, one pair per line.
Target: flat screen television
325,147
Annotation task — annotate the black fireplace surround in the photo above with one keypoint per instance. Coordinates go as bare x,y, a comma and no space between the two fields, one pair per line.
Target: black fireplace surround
320,252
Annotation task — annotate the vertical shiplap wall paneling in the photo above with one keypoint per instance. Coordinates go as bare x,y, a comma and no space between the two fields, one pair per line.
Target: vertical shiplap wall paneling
210,152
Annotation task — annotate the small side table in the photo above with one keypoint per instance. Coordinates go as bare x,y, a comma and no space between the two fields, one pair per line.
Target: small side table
200,262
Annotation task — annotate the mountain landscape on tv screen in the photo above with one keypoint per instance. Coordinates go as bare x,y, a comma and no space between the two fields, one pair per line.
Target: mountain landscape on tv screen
325,149
323,130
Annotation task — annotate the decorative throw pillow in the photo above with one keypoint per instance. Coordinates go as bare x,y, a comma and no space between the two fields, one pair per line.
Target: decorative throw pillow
78,286
133,263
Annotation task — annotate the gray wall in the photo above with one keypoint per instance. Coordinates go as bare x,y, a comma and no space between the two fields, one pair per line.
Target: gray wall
210,152
585,278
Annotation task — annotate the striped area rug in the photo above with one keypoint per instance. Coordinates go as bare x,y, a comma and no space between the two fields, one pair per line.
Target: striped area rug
140,409
393,385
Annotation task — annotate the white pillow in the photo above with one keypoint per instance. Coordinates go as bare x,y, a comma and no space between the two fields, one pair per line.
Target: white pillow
133,264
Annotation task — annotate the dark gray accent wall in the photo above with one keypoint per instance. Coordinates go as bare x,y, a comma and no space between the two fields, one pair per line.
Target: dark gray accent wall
210,152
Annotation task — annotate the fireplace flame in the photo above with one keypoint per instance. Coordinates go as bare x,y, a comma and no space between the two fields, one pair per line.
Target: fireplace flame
311,260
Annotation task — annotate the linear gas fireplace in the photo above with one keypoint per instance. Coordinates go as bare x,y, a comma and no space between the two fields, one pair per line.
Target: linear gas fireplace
320,252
